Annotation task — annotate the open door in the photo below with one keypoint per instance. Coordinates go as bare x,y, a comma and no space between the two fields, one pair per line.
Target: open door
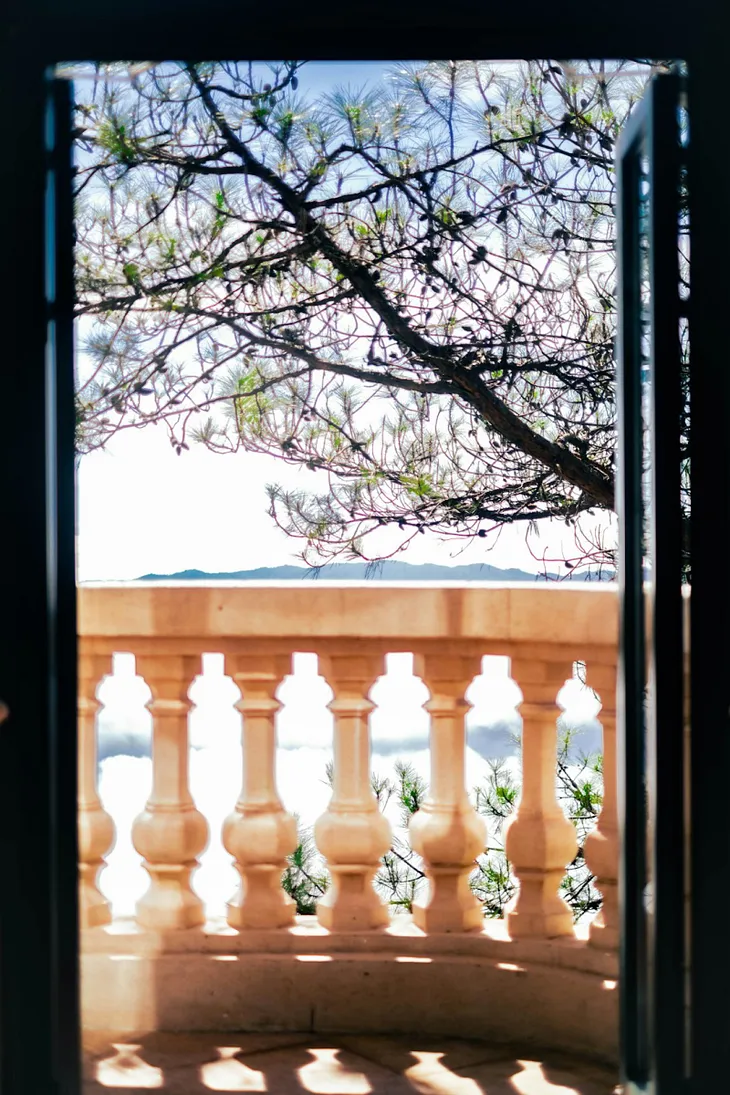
39,1002
653,502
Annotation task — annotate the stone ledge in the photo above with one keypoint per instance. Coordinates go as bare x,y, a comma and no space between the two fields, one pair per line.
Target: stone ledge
402,939
357,993
303,614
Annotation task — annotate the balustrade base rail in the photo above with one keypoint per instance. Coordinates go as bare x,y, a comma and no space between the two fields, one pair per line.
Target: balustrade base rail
559,994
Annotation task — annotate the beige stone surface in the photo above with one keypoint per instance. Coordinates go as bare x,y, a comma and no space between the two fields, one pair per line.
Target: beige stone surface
259,834
447,832
95,826
193,1064
369,992
171,832
538,839
401,938
602,845
353,833
584,616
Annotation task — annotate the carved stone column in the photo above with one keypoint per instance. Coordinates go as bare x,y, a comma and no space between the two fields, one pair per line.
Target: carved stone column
601,847
447,832
259,834
171,833
539,840
96,828
352,834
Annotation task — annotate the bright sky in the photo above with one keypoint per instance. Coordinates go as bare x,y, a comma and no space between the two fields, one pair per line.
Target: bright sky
143,509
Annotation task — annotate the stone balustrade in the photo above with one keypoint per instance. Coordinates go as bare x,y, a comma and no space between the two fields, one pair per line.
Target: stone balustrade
172,968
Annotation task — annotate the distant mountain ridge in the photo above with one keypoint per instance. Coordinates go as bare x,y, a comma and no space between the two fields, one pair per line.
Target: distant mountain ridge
389,570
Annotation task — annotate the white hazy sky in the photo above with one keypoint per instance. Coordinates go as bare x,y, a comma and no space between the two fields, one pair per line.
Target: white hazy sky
143,509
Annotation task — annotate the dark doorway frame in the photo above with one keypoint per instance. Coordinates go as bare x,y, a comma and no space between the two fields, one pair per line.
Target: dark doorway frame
38,942
651,742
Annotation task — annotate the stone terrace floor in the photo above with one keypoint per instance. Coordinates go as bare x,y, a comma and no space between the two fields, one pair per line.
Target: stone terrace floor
284,1064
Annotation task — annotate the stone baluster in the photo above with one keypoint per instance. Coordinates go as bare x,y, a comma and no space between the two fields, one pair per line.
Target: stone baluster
539,840
601,847
170,833
447,832
259,834
96,828
352,834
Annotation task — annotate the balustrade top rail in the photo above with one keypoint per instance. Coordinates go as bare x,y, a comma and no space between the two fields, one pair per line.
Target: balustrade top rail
404,615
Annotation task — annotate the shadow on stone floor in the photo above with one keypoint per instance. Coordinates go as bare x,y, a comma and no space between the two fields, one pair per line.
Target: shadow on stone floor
292,1064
